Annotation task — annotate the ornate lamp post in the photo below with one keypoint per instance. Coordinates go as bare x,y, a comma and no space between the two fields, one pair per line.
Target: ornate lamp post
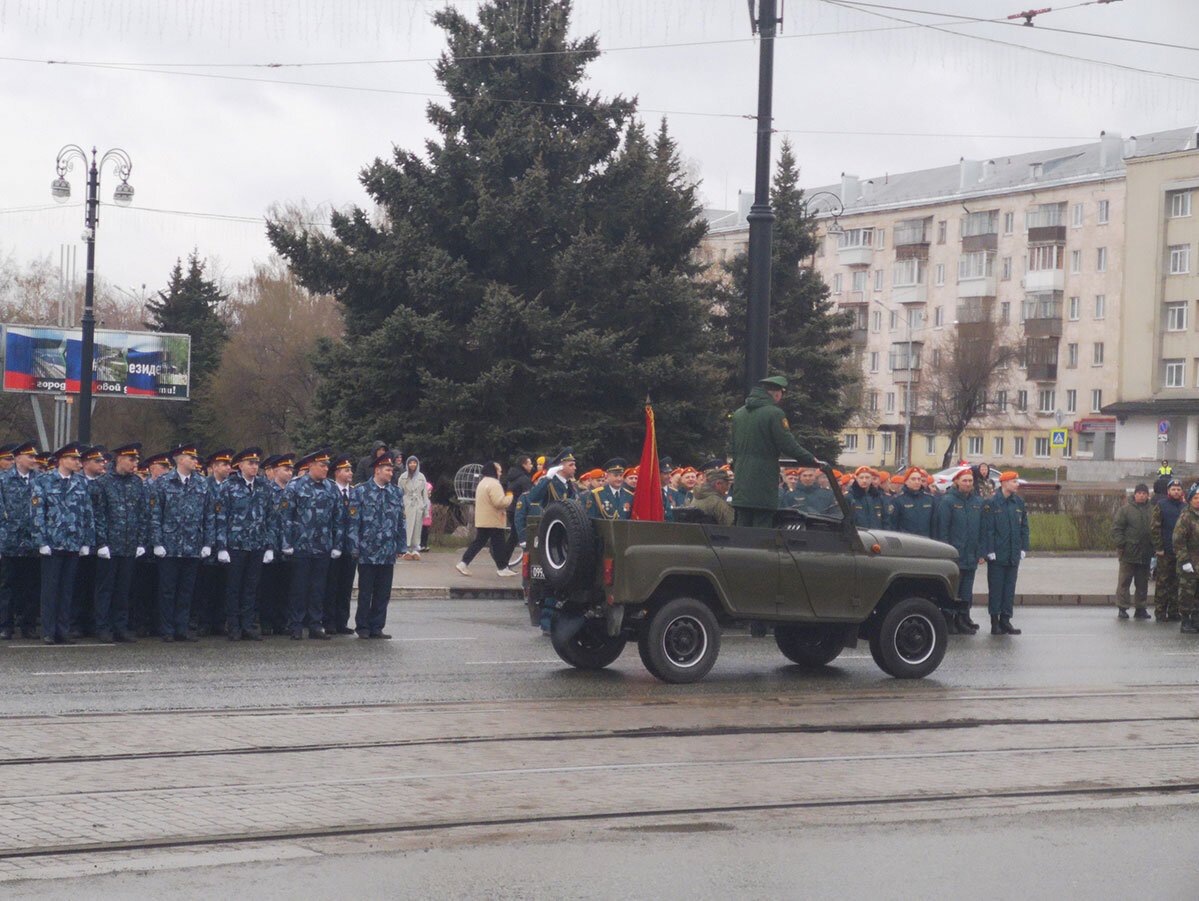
60,190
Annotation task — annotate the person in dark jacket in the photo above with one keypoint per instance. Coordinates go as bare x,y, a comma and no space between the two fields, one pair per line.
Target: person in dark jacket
1005,542
811,497
517,482
912,509
365,468
957,521
866,502
1131,532
1161,530
761,435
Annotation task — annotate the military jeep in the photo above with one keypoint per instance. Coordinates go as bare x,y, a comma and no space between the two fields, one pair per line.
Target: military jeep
822,584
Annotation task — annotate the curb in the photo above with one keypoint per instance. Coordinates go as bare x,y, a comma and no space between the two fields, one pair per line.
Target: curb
515,594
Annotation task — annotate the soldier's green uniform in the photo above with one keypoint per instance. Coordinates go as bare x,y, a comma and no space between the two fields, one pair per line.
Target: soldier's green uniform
712,502
1131,533
761,435
1161,529
607,502
1186,550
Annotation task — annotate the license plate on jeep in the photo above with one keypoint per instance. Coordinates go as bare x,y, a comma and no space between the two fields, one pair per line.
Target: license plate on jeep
536,572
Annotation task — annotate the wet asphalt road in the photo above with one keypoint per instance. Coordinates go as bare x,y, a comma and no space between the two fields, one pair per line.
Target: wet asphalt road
481,650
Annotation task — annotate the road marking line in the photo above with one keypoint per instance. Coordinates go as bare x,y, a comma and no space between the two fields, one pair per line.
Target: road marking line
501,662
90,672
54,647
440,639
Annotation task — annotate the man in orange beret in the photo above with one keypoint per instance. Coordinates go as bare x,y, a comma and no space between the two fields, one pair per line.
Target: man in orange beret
1004,544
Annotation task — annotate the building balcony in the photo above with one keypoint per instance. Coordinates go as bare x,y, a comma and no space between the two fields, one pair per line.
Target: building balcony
1047,234
1043,328
855,297
855,256
859,336
911,233
1044,280
904,376
910,293
974,311
983,286
1042,315
1042,372
975,243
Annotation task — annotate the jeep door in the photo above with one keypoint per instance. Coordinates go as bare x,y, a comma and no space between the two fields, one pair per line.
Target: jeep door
749,561
826,561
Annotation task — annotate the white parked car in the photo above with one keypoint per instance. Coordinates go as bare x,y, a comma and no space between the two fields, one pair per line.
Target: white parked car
944,479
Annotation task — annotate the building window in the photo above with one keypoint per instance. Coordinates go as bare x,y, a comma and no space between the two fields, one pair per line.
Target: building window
997,447
890,401
1046,400
974,446
941,228
1076,261
1040,447
908,273
1180,259
938,316
1018,447
1101,259
836,282
930,444
878,279
1097,354
894,320
1000,401
849,441
1043,257
876,321
940,273
916,318
872,401
880,238
870,441
1009,223
1076,214
1005,311
1021,401
975,265
886,442
874,361
1096,400
1006,272
1071,401
1074,307
1104,207
1071,356
1100,306
859,280
1176,317
1180,204
1175,375
856,237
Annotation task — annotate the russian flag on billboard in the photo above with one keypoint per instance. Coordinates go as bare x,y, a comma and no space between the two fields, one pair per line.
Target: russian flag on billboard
74,358
18,360
142,374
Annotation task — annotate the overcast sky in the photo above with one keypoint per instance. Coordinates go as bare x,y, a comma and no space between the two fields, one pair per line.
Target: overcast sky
209,146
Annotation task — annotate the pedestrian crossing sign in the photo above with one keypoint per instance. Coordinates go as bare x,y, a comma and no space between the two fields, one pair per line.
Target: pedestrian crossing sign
1057,437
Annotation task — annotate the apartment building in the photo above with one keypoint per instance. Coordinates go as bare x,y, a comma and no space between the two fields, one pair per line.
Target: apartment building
1033,243
1157,405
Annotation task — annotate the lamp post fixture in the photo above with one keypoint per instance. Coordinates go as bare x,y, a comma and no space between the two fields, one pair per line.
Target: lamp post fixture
60,190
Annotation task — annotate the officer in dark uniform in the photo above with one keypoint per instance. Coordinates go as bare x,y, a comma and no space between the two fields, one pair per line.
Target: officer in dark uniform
275,582
341,571
609,501
245,540
20,571
209,607
64,529
376,538
182,522
83,621
143,614
312,526
559,485
119,499
912,509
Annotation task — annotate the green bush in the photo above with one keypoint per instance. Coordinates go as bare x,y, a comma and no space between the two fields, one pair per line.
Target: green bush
1052,532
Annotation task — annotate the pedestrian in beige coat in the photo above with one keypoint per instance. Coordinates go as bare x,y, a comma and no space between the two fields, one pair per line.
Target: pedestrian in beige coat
491,520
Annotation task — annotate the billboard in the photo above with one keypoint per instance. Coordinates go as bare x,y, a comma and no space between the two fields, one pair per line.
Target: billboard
46,359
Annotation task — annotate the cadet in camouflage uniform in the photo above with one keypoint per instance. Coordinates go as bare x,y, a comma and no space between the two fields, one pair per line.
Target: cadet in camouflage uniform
245,540
19,566
208,606
182,523
341,571
119,499
64,529
1166,511
312,526
1186,550
273,587
376,538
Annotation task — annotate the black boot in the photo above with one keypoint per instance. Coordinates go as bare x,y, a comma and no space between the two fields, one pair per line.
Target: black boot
1141,613
951,625
1005,623
1122,614
996,629
966,624
1189,625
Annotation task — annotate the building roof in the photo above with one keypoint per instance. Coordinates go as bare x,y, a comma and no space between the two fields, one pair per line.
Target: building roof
1155,406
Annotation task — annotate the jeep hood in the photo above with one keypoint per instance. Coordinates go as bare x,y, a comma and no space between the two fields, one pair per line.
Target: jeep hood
901,544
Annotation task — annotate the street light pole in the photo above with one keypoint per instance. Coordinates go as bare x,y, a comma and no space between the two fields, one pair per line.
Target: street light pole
761,216
60,189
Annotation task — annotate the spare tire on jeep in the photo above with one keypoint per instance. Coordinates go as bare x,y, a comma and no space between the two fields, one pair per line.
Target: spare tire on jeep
567,540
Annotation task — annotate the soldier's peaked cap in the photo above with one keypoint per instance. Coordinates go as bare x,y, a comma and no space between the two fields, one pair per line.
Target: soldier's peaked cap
7,451
74,449
320,456
163,459
384,459
127,450
189,449
343,462
286,460
778,382
248,454
224,455
616,464
95,452
715,466
566,455
25,447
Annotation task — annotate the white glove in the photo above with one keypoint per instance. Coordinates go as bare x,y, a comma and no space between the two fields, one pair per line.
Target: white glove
159,551
1023,554
991,556
205,552
222,556
84,551
335,553
44,550
268,556
1187,568
288,551
140,552
104,553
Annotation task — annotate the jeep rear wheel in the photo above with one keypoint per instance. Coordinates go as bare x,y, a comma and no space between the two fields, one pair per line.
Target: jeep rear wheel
681,642
586,647
567,542
810,646
909,641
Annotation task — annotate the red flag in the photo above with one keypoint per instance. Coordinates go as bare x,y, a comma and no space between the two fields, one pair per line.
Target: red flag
647,499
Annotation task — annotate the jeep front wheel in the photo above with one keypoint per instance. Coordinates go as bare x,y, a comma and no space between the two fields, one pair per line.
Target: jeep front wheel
909,641
681,641
586,647
810,646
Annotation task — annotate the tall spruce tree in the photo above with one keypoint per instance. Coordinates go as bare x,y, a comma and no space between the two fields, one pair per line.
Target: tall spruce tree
809,338
191,305
528,279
